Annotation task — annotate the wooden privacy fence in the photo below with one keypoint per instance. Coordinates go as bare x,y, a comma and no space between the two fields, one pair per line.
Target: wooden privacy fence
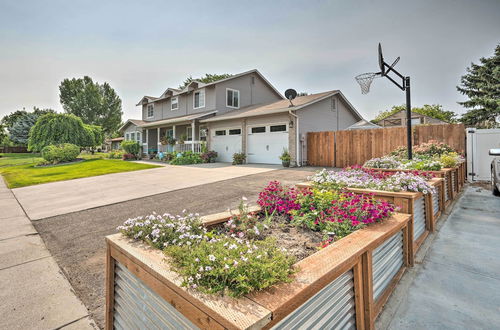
345,148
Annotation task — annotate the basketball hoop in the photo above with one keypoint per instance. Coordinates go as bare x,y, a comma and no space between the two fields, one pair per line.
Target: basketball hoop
365,80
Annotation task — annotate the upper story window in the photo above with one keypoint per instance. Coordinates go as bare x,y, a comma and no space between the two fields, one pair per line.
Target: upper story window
199,99
174,103
232,98
151,112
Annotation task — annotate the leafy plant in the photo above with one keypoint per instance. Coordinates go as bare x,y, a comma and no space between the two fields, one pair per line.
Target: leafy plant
209,156
246,224
239,158
65,152
131,147
187,158
115,154
285,156
127,156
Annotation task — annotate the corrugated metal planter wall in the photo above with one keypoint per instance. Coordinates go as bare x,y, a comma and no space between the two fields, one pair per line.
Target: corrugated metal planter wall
331,308
419,217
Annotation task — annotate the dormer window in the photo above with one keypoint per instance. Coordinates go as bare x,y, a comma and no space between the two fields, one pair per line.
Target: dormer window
151,112
232,98
199,99
174,105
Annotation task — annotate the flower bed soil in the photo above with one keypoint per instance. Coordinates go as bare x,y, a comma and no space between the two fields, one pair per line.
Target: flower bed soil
78,160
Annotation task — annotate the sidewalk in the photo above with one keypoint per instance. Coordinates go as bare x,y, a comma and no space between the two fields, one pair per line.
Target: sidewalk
457,284
34,294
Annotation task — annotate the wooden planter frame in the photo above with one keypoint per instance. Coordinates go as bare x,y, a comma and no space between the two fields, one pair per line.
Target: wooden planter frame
448,174
266,308
405,202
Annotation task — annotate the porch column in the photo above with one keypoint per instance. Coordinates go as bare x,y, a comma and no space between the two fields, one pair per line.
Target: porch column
192,135
147,141
158,138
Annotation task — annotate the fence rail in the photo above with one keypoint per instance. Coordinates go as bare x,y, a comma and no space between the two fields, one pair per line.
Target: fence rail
14,149
345,148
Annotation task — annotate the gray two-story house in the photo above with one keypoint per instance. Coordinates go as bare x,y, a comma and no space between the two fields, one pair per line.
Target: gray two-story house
242,113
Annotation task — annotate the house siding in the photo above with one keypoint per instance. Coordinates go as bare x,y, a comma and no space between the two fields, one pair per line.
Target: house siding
320,117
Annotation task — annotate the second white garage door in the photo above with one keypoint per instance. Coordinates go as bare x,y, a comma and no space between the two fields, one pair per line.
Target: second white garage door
226,142
266,143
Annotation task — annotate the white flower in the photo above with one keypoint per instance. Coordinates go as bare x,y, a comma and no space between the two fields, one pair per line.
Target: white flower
244,198
226,266
190,279
244,259
197,260
198,276
232,246
211,257
235,263
208,268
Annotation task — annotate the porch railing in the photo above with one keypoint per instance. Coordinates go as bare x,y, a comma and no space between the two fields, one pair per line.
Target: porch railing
181,147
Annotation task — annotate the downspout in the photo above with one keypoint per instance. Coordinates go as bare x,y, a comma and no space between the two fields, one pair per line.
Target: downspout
297,140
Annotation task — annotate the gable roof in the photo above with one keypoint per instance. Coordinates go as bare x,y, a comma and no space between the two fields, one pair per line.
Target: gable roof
199,84
281,106
178,119
136,122
363,124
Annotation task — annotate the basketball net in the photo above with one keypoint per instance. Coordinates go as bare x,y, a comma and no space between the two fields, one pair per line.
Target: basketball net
365,80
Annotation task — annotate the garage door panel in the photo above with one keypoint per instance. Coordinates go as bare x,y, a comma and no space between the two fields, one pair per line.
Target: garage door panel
226,145
266,147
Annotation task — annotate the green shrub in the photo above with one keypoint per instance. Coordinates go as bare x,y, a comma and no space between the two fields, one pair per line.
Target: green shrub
65,152
187,158
131,147
239,158
115,154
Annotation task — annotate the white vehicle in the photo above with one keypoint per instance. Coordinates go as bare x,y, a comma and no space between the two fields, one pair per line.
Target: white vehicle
495,171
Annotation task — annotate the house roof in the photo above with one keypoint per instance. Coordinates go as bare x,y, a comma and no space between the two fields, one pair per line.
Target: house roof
363,124
136,122
177,119
280,106
186,89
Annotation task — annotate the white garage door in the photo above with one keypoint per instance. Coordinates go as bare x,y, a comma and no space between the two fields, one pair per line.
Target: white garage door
226,142
266,143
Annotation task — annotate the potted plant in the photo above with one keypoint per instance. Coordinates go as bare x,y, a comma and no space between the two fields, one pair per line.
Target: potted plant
239,158
183,138
285,158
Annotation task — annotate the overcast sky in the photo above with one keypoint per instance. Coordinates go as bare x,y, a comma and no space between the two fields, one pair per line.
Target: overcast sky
143,47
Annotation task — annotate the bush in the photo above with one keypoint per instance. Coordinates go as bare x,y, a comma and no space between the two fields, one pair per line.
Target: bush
65,152
187,158
131,147
115,154
239,158
209,156
129,157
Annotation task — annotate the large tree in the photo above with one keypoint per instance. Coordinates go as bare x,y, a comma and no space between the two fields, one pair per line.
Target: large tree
96,104
19,123
207,78
63,128
481,84
434,111
3,133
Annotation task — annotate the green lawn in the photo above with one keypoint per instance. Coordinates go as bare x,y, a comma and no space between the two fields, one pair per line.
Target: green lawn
27,175
18,159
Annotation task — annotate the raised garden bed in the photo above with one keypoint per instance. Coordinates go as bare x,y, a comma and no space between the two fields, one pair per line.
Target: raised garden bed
424,209
344,284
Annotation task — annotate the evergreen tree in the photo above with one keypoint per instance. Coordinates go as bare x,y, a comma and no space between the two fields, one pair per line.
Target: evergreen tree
96,104
208,78
481,84
19,132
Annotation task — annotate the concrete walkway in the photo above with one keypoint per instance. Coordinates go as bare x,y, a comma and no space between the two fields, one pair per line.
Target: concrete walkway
56,198
34,294
457,284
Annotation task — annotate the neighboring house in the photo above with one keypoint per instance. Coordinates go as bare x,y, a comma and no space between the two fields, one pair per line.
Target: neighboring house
116,143
399,119
363,124
242,113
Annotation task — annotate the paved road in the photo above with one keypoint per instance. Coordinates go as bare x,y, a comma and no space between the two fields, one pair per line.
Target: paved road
457,286
76,240
56,198
33,292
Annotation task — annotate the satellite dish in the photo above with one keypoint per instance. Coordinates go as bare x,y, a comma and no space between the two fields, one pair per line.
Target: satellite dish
290,94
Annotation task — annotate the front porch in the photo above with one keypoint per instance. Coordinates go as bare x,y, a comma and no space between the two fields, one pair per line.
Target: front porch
187,137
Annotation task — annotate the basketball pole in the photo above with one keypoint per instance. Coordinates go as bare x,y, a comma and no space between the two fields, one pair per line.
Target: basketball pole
408,117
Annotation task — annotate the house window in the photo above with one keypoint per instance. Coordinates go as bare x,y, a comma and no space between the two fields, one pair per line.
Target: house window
278,128
220,132
236,131
151,112
199,99
189,133
260,129
174,103
127,136
132,136
170,132
138,137
415,121
203,134
232,98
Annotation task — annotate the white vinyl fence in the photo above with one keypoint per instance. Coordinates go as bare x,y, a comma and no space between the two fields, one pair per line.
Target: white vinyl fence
479,142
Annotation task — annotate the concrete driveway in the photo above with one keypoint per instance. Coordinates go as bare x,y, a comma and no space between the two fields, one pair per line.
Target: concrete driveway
456,285
63,197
